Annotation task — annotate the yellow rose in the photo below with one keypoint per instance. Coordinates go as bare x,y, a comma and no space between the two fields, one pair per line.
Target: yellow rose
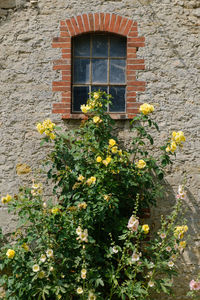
91,180
40,128
99,159
6,199
114,149
85,108
173,146
168,149
112,142
52,136
146,108
82,205
145,228
141,164
96,95
81,178
96,119
10,253
182,244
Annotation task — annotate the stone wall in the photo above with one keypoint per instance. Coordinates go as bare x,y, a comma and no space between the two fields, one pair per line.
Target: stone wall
172,52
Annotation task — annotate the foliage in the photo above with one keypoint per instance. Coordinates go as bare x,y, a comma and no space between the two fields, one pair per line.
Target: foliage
88,241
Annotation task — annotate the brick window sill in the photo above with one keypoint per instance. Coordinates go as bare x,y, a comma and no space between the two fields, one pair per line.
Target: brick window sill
115,116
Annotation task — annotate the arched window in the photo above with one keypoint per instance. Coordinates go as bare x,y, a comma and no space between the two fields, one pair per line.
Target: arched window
99,62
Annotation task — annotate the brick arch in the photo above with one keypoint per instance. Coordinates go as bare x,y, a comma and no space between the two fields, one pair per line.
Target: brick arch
98,22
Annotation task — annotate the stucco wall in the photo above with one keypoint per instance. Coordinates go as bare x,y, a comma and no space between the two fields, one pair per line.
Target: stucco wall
172,52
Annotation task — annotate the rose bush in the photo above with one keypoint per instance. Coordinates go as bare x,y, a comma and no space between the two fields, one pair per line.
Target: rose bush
88,240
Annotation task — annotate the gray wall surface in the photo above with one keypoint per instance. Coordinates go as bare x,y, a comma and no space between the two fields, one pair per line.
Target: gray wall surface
172,59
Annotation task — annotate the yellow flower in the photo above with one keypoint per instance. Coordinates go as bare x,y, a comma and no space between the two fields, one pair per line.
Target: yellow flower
120,152
91,180
82,205
81,178
10,253
85,108
145,228
141,164
106,197
112,142
35,268
25,246
55,210
96,95
168,149
146,108
114,149
52,136
182,244
178,137
6,199
173,146
107,161
99,159
96,119
185,228
179,231
40,128
79,290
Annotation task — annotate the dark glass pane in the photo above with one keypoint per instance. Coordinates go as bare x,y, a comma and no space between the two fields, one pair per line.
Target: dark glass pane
117,46
99,70
118,100
117,70
100,46
98,87
80,96
81,70
82,45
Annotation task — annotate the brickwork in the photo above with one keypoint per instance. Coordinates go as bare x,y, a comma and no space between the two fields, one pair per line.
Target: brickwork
98,22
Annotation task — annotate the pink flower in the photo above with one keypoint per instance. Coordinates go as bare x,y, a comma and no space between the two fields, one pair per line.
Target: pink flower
194,285
133,224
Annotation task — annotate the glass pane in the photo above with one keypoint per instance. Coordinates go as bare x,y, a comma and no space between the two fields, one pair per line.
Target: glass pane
80,96
82,45
100,46
118,100
99,70
117,46
81,70
98,87
117,70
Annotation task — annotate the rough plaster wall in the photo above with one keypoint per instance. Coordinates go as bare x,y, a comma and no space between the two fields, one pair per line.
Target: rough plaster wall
172,53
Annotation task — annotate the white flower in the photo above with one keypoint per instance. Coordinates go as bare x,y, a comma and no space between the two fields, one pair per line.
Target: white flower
79,290
114,249
151,265
135,256
151,283
83,236
168,249
35,268
170,263
43,258
83,273
91,296
133,223
51,269
163,235
49,253
78,230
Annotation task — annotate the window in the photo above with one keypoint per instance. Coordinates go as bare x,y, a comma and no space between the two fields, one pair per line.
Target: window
99,62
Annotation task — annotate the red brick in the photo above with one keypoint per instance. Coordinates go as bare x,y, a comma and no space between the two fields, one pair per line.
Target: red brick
61,62
132,110
61,40
136,39
64,33
133,34
135,61
131,104
139,88
65,29
59,89
132,72
61,45
137,83
66,94
70,27
62,67
122,25
132,55
102,21
91,22
107,22
66,116
133,29
128,27
131,77
117,24
59,83
64,73
60,110
131,50
67,101
96,22
80,23
76,28
86,23
112,23
66,78
131,116
135,67
62,23
66,55
131,94
66,51
59,105
136,44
